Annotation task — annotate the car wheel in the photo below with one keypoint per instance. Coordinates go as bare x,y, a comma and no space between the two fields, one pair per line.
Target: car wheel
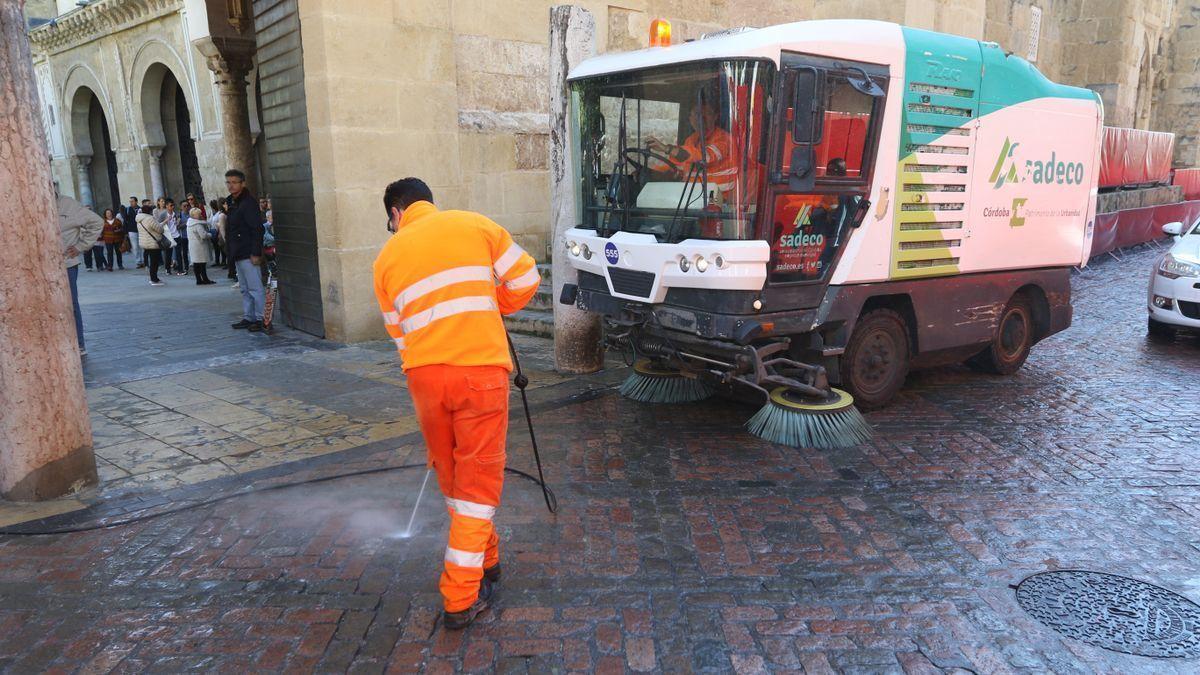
1012,342
1159,330
876,359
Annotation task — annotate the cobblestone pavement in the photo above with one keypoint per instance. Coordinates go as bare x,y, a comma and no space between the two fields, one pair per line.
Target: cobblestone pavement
177,397
682,544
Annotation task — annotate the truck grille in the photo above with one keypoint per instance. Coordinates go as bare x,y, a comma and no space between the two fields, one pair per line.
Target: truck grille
631,282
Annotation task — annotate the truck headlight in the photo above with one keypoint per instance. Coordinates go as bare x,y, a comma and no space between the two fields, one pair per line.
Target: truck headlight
701,264
587,252
1173,268
684,264
575,249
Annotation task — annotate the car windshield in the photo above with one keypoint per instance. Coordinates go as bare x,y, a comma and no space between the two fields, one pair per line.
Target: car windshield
676,152
1195,227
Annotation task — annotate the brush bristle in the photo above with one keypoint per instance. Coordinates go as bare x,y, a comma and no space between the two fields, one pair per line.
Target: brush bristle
659,389
823,430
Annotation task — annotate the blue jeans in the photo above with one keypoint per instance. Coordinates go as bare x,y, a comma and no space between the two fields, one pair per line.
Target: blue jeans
73,278
250,281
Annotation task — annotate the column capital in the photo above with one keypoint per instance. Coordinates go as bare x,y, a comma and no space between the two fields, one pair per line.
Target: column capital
230,59
155,151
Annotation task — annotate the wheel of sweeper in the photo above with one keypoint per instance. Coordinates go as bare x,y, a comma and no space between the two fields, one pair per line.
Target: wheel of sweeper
876,359
653,382
790,418
1013,339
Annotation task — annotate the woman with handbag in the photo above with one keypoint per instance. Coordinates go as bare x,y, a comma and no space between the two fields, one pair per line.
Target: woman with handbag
113,236
199,246
153,241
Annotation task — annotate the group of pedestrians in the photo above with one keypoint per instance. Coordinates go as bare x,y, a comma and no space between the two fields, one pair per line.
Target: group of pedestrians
231,233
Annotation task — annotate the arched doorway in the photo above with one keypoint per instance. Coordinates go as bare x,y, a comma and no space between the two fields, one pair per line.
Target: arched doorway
181,167
96,171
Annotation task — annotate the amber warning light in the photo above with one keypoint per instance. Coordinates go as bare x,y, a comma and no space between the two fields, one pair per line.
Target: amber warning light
660,33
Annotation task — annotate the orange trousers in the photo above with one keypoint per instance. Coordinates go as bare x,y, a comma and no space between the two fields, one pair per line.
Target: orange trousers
463,412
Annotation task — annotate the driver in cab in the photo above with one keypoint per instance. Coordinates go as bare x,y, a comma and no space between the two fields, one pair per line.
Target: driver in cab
717,154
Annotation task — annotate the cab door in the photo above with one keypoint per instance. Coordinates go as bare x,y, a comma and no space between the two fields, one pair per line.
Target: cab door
823,155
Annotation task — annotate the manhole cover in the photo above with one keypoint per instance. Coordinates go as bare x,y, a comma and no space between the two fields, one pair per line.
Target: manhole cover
1117,613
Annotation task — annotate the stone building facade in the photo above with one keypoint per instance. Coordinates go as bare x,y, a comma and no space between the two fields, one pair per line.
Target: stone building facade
130,104
457,91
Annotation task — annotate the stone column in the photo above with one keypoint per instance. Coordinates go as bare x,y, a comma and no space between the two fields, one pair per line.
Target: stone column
83,173
45,434
576,333
157,187
231,61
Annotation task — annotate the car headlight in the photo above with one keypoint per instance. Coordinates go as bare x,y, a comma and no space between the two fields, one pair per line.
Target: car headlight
1173,268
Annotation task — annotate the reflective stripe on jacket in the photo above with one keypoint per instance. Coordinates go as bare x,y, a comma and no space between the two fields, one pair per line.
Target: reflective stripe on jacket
444,280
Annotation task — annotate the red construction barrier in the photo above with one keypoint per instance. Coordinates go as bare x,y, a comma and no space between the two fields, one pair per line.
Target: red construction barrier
1138,226
1189,180
1135,157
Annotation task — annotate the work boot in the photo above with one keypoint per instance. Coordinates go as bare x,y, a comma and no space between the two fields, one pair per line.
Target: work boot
460,620
492,573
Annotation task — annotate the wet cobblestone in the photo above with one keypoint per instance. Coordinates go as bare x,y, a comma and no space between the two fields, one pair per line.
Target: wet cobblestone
682,543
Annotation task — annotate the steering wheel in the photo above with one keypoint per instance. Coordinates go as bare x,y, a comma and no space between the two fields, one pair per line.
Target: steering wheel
640,157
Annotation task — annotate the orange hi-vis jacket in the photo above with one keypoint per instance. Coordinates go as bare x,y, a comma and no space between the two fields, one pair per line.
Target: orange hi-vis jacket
720,154
443,281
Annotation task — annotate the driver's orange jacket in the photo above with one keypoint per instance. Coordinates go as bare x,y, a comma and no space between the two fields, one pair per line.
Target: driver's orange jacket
444,280
719,153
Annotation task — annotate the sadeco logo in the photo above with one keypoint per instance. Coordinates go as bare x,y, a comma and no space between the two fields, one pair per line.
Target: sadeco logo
1048,172
610,253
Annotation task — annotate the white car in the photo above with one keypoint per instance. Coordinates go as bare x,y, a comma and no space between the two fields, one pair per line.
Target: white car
1174,298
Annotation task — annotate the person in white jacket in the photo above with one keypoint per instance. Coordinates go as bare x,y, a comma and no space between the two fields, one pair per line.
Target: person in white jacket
200,249
79,227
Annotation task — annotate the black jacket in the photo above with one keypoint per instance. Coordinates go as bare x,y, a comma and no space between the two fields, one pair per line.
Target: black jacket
128,214
243,227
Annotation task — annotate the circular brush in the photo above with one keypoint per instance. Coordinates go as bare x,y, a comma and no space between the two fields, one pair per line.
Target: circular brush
807,422
653,384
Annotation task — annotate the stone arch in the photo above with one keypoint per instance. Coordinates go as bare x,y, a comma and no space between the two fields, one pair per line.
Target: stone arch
81,85
151,64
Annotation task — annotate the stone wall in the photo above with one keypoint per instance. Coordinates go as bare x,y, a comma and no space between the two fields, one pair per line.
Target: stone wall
1178,106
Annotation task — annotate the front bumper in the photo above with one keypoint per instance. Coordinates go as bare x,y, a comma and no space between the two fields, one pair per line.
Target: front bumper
1184,294
740,329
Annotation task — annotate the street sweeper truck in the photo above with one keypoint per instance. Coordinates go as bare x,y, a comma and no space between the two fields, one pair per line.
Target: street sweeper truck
770,213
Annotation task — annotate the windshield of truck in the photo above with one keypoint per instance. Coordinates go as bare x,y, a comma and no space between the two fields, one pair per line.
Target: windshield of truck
676,152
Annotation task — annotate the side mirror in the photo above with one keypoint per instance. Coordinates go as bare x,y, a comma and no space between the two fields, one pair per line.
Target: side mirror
1173,229
806,129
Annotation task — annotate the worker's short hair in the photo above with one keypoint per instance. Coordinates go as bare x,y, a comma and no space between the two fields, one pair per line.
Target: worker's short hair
404,192
234,173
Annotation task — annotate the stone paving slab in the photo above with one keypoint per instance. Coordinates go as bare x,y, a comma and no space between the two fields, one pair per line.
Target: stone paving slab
682,544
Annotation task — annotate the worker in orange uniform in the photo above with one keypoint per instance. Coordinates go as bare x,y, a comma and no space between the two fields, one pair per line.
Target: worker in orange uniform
443,281
718,154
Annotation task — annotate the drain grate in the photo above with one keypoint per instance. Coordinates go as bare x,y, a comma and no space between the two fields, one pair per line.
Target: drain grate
1117,613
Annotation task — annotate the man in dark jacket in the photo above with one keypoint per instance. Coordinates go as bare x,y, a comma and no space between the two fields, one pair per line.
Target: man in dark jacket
128,215
244,232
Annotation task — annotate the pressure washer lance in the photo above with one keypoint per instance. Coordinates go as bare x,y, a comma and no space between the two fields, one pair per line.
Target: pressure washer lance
522,382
